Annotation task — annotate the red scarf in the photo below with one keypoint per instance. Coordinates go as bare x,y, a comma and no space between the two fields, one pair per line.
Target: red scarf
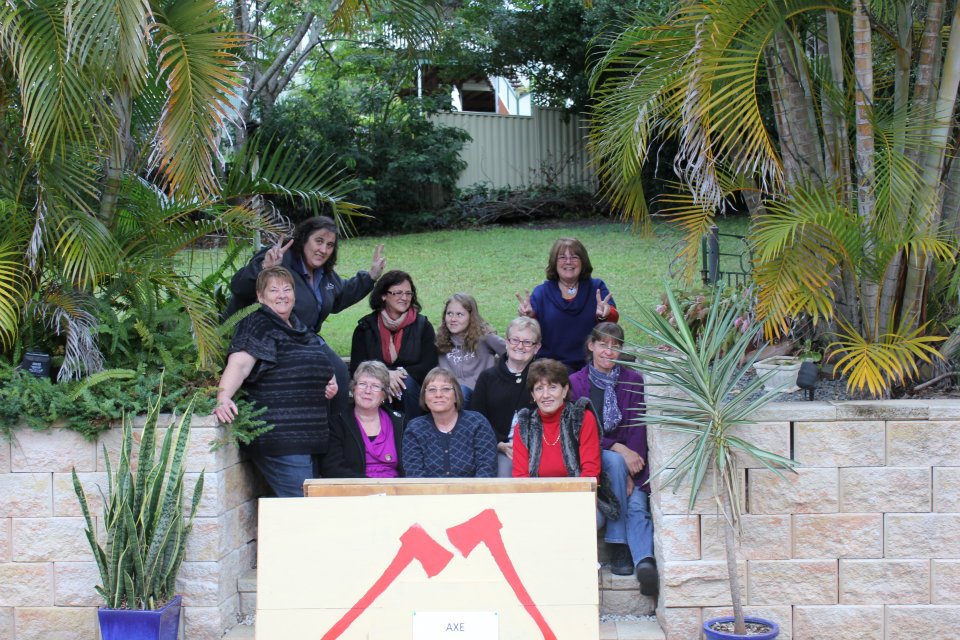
391,333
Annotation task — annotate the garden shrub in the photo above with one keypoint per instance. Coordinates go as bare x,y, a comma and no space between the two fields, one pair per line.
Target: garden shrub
406,166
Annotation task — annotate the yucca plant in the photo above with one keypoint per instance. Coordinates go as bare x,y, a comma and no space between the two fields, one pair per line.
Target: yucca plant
694,384
144,515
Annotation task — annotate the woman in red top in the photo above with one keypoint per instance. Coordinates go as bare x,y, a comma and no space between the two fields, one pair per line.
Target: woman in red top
559,438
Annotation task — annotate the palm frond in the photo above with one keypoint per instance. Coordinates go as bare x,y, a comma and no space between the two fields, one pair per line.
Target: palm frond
198,59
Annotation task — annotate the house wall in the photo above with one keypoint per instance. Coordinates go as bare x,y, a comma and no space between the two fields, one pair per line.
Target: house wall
517,151
47,573
862,542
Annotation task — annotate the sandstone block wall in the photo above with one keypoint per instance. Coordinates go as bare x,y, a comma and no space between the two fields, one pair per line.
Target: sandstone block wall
47,572
862,542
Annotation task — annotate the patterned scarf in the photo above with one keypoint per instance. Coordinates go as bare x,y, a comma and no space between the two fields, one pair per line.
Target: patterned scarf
607,382
391,333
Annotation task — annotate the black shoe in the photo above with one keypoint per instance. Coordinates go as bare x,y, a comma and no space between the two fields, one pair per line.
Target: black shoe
621,563
648,577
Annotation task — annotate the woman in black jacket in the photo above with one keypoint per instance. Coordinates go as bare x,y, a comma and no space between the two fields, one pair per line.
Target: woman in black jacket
311,256
365,441
397,334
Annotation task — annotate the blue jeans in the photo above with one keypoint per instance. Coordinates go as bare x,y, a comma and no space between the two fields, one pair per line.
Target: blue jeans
467,395
634,526
285,474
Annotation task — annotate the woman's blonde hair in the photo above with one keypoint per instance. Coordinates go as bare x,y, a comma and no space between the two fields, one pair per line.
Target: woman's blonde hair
477,327
434,374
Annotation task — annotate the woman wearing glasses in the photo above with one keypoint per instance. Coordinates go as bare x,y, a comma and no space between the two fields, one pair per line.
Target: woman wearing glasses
448,442
568,303
365,441
397,334
502,391
466,342
616,392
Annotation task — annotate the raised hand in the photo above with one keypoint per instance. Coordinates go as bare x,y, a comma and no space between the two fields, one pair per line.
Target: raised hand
274,255
603,305
379,262
524,308
331,389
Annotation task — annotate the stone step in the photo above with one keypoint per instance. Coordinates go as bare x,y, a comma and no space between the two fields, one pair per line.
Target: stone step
631,630
620,595
247,631
247,587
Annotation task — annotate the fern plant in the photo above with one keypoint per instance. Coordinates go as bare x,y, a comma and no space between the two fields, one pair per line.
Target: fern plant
144,516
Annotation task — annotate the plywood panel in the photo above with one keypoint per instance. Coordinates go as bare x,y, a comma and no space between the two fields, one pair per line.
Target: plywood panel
319,557
431,486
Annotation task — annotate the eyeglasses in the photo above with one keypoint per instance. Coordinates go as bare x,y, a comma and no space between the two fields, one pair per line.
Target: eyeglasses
517,342
456,314
605,346
435,390
541,389
400,294
370,386
568,258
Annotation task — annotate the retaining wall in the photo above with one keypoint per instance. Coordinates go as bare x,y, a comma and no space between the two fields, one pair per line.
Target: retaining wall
863,542
47,573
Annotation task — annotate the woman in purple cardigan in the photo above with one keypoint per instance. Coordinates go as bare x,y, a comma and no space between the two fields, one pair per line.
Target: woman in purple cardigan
616,393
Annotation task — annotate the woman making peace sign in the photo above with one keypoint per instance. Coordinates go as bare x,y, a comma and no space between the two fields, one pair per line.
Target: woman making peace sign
311,256
568,304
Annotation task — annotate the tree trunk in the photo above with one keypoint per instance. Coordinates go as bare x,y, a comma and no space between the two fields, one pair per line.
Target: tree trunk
120,150
797,141
730,544
863,97
836,142
929,210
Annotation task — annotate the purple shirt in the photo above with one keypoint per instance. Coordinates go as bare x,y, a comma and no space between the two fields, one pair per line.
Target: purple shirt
632,431
381,451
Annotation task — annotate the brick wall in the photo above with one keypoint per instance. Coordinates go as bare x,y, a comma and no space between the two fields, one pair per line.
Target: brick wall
862,543
47,573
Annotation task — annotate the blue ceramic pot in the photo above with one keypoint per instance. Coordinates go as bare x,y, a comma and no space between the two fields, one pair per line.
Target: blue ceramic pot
710,634
132,624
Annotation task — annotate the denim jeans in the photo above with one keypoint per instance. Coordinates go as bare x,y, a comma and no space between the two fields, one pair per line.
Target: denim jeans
285,474
634,526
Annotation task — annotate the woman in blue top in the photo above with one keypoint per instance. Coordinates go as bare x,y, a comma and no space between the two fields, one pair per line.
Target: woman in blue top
568,304
310,256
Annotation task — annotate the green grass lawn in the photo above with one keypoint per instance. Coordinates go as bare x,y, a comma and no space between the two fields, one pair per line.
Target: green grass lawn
494,263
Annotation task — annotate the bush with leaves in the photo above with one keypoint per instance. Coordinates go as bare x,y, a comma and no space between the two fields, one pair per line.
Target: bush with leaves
405,164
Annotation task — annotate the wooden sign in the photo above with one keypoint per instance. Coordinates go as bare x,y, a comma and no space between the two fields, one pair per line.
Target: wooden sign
368,557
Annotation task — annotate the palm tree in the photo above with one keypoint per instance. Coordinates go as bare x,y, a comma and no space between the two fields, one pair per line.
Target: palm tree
111,116
799,103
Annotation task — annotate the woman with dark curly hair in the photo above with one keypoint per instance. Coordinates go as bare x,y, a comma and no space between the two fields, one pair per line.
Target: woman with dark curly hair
467,343
310,256
397,334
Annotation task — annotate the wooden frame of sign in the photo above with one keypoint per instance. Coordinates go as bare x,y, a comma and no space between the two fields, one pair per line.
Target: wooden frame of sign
498,559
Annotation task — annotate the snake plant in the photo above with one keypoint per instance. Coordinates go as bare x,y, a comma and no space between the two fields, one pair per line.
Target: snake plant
144,515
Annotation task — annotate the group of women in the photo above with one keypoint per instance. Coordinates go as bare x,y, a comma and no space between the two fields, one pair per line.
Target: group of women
549,400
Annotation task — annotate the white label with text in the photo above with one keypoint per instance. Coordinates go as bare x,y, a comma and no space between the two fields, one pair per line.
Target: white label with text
448,625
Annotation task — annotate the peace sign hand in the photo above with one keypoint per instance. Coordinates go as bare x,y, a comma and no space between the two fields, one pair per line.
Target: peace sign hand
603,305
524,308
274,256
379,262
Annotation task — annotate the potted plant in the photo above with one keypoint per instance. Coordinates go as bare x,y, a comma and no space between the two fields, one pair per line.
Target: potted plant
146,531
705,371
